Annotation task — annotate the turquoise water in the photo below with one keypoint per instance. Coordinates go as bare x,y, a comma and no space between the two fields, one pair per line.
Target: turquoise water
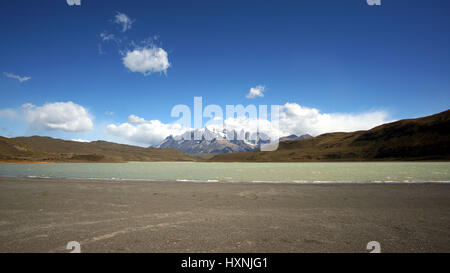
240,172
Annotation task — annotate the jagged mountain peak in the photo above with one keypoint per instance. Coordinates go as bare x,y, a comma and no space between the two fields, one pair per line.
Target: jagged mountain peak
212,139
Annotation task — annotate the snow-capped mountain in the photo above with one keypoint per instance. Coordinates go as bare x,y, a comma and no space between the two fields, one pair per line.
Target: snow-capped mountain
214,140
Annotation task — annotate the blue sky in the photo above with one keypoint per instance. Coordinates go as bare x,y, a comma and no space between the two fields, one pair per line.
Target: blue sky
339,61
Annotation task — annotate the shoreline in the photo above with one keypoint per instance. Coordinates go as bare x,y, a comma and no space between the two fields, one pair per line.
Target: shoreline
209,161
98,179
43,215
26,162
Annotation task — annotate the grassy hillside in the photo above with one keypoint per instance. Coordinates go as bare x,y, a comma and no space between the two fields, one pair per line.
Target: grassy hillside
426,138
38,148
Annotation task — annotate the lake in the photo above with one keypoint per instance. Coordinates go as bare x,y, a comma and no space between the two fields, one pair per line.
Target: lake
240,172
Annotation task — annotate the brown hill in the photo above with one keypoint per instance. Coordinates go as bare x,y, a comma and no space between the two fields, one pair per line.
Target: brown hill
426,138
37,148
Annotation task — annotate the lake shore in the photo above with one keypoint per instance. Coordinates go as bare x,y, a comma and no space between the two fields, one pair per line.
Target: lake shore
43,215
25,162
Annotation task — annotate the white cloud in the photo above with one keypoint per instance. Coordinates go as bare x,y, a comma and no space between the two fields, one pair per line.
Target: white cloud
147,60
293,119
17,77
299,120
123,20
65,116
144,132
136,120
257,91
80,140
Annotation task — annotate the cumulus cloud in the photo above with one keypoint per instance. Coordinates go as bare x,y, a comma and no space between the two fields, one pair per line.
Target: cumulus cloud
299,120
17,77
147,60
257,91
144,132
143,56
65,116
123,20
293,119
136,120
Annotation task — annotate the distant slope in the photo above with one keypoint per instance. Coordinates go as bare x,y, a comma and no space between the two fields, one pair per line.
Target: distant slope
39,148
203,156
426,138
295,137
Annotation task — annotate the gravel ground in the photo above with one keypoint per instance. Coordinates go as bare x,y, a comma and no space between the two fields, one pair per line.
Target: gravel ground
43,215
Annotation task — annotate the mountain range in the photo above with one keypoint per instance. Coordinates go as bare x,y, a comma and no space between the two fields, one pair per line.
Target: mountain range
219,141
211,140
426,138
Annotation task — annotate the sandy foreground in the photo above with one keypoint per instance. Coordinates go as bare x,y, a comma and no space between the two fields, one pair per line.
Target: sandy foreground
43,215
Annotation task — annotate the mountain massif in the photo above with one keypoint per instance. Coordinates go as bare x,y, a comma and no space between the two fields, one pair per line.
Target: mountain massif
213,141
426,138
37,148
